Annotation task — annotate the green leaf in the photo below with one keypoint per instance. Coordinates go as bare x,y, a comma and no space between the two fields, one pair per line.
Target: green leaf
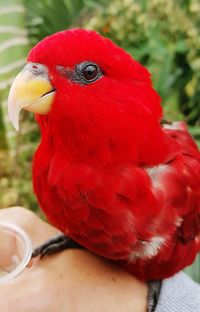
181,46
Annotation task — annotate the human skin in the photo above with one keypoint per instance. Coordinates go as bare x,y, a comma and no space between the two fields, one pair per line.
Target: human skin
70,281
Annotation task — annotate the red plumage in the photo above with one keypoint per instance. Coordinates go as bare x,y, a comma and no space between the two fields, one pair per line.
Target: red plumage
106,173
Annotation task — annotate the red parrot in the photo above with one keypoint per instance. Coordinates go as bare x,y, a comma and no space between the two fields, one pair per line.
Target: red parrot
108,173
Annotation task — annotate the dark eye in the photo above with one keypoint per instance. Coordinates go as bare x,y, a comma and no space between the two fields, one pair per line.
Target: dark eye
90,72
83,73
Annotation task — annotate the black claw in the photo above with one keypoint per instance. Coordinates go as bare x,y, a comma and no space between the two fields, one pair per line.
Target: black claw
54,245
165,122
153,295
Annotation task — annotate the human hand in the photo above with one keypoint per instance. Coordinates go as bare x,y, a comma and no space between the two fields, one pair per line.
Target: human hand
70,281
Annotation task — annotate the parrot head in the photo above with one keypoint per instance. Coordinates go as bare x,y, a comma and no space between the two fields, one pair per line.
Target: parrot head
88,90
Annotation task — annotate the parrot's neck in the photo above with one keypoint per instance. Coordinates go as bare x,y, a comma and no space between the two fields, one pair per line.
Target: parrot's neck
79,144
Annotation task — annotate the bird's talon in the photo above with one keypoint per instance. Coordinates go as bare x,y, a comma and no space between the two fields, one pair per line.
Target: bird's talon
53,245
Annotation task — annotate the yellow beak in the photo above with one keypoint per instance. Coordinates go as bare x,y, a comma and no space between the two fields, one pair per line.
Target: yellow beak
32,91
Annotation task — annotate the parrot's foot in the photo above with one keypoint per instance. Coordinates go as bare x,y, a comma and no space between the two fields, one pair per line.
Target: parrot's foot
58,243
153,295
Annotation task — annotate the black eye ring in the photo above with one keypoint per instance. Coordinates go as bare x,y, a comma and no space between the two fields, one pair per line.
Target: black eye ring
83,73
90,72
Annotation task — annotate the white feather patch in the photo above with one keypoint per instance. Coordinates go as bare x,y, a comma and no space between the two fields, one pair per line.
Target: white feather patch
178,221
156,174
148,249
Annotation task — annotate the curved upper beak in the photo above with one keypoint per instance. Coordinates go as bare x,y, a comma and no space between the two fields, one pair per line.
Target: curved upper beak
32,91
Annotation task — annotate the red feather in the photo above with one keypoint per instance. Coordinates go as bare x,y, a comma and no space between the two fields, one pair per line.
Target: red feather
106,172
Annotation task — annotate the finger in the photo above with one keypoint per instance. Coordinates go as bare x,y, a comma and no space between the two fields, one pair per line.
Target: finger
23,293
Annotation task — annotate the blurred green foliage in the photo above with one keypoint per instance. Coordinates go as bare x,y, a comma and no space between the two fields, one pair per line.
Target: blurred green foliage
49,16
